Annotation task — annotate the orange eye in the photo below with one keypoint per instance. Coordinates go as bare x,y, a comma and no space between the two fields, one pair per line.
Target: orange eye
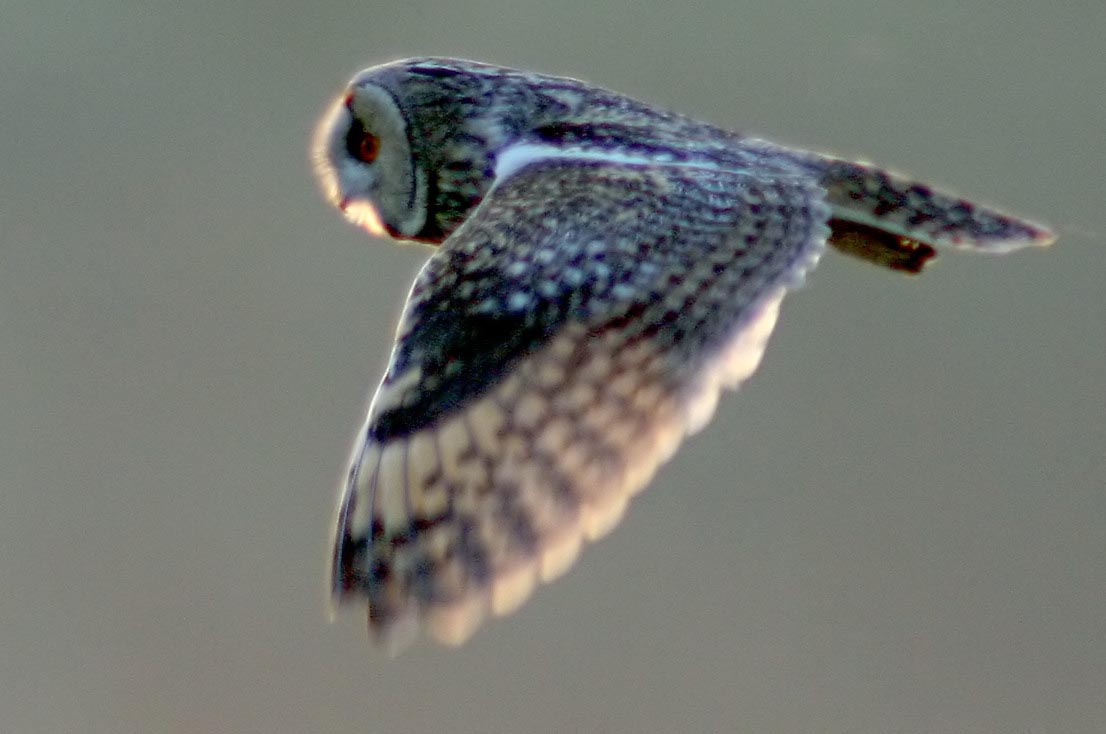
369,147
362,144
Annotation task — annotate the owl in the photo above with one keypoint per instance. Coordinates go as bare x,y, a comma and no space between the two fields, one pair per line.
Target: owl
601,270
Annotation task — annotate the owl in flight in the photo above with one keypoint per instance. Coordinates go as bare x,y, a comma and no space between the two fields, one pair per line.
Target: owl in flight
601,270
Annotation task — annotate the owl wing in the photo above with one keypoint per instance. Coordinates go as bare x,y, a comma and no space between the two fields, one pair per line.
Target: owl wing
552,354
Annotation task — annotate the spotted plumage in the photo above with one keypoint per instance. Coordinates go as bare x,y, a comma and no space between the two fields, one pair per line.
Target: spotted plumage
603,269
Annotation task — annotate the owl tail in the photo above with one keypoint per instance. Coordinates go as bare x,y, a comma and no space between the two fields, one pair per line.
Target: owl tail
895,222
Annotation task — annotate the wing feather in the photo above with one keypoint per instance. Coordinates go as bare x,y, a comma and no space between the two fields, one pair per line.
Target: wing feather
553,354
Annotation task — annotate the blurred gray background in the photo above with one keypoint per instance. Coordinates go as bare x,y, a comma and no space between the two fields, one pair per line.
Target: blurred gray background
898,525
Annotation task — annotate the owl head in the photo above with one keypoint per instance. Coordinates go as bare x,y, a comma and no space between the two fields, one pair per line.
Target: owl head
409,147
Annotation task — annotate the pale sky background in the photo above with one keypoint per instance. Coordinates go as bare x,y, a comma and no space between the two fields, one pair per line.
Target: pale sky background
898,525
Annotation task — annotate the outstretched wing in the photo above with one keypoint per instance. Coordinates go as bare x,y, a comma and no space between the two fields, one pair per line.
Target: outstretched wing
552,354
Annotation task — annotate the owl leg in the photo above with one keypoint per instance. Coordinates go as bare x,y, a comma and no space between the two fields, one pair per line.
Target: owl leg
880,247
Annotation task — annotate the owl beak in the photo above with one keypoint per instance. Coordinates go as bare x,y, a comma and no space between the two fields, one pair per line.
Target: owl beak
364,215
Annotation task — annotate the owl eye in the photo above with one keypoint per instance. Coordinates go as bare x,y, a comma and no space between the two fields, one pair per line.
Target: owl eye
362,144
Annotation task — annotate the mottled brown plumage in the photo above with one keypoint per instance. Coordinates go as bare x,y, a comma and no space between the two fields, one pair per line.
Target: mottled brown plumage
604,269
